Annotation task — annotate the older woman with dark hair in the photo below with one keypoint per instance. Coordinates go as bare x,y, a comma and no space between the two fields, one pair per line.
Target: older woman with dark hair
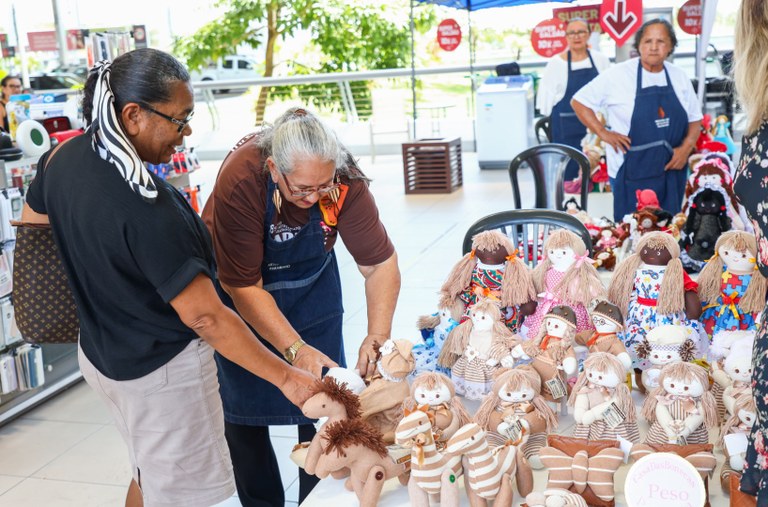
140,264
9,85
654,119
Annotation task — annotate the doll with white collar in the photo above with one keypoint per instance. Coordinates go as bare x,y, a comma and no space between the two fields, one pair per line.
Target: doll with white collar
565,276
476,348
435,392
516,398
723,343
434,330
663,345
551,351
492,270
602,403
681,409
731,288
608,322
740,422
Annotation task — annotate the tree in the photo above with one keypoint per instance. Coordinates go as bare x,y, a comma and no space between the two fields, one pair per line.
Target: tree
348,36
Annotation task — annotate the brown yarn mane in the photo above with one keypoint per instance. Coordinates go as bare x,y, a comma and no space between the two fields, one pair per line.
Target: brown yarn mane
340,394
346,433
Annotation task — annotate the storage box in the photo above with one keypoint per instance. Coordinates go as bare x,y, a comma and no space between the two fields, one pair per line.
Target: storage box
432,166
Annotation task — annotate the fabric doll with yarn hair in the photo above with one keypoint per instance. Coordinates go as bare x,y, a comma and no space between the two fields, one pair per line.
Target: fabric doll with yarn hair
652,289
565,276
492,270
435,392
663,345
707,220
434,331
731,288
681,409
516,397
741,421
476,348
715,172
602,402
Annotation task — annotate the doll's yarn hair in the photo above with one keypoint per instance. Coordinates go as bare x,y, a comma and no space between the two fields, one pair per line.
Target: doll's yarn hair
710,278
567,341
687,372
580,284
432,380
516,284
515,379
458,338
607,363
709,167
671,294
339,394
744,401
342,435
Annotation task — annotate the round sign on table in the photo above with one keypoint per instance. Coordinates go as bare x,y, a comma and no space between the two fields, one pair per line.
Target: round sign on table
548,37
689,17
32,138
448,34
664,480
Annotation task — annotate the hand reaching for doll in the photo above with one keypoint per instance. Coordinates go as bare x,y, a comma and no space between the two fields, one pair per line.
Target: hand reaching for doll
312,360
298,386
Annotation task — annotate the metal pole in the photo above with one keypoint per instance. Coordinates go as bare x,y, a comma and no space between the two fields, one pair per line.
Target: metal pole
61,35
413,72
472,75
20,47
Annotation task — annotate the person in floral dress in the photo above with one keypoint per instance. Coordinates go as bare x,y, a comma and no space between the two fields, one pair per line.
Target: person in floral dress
751,185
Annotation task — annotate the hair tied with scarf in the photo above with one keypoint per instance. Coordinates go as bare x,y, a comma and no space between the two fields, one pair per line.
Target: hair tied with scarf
111,142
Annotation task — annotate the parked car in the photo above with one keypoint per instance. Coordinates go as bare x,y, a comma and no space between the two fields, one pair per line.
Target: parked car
54,83
228,67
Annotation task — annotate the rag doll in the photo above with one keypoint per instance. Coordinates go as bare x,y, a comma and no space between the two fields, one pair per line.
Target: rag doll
602,403
681,409
608,238
492,270
608,323
647,198
715,171
720,133
515,410
381,401
605,259
476,348
435,391
740,342
434,330
652,288
737,366
707,220
663,345
740,422
551,352
731,288
566,276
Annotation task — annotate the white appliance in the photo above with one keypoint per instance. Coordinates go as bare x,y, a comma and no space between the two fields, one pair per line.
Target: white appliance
504,120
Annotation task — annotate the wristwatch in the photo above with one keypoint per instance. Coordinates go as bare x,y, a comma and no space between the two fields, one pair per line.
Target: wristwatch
290,352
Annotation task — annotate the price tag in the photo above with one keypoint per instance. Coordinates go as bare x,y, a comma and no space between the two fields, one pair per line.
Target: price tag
613,416
681,440
556,387
515,431
399,454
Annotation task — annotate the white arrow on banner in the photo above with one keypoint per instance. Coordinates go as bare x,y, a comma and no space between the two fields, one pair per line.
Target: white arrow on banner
618,20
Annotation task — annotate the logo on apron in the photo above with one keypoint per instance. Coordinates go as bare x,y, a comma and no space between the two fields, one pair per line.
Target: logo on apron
662,121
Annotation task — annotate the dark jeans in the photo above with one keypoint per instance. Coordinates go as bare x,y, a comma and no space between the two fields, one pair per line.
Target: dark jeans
256,472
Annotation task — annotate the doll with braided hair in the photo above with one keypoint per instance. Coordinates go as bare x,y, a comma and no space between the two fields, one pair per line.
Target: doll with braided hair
731,288
492,270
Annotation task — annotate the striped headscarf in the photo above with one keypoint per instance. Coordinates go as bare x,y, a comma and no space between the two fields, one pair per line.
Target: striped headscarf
111,142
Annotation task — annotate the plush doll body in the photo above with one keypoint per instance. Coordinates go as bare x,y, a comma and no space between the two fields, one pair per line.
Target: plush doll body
664,345
516,397
382,400
741,421
652,288
740,342
707,220
476,348
434,330
608,323
602,404
681,409
566,276
738,368
492,270
551,352
435,392
732,291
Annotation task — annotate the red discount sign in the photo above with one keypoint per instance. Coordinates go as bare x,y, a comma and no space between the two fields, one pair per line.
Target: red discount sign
689,17
548,37
621,18
448,34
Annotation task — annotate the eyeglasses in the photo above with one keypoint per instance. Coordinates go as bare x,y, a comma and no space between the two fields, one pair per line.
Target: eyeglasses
303,192
182,124
576,33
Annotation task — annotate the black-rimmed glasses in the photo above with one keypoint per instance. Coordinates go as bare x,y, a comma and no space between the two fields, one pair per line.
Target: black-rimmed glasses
182,124
303,192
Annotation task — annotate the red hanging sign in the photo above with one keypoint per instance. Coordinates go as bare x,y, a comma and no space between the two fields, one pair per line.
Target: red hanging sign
689,17
621,18
548,37
448,34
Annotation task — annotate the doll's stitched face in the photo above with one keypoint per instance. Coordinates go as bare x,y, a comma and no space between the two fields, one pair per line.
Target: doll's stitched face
712,179
437,396
492,257
680,387
737,262
655,257
481,321
556,327
603,325
561,258
512,396
661,357
747,417
738,367
603,378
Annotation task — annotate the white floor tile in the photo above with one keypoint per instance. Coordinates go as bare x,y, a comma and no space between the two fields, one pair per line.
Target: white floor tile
77,404
8,481
45,493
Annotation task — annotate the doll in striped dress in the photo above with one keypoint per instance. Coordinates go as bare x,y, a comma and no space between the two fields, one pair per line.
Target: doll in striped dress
741,421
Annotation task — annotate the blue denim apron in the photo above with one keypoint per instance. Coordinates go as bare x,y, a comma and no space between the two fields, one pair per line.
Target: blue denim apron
659,123
566,127
304,281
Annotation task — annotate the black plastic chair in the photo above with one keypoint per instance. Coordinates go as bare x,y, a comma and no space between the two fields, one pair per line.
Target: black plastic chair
527,228
543,130
548,163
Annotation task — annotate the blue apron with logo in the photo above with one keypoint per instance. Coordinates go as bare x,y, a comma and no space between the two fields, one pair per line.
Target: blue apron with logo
659,124
565,125
304,281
